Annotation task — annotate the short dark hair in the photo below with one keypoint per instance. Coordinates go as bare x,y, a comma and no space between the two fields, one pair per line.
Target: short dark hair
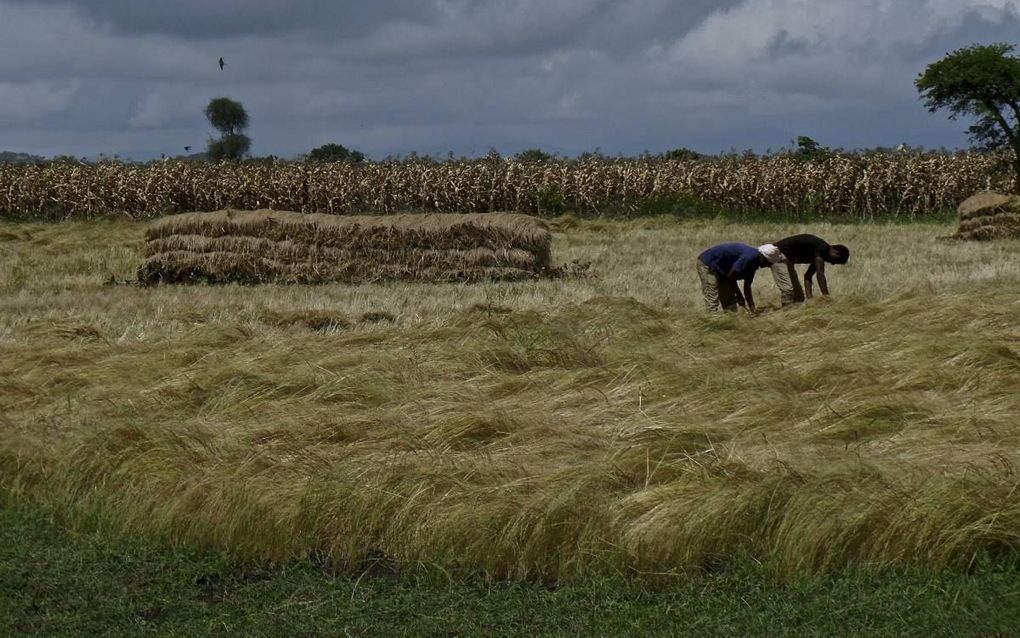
839,253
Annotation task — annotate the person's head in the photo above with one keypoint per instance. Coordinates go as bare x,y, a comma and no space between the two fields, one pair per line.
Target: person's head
769,254
838,254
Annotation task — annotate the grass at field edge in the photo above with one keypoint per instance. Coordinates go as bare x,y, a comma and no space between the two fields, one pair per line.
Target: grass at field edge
60,578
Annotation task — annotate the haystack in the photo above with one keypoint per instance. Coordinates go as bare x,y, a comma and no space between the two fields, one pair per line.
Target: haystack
286,247
989,215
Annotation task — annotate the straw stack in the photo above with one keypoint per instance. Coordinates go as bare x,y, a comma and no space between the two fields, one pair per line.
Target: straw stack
989,215
285,247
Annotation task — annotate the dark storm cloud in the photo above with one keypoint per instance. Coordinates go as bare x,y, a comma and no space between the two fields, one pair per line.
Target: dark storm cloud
254,18
429,26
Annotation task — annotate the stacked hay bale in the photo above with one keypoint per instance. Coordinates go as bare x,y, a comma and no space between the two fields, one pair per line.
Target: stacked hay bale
286,247
989,215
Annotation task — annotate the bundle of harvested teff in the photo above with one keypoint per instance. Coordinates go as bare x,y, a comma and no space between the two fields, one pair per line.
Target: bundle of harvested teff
989,215
277,246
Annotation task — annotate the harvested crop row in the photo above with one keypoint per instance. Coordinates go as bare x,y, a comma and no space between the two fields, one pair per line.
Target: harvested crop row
988,216
275,246
435,231
291,251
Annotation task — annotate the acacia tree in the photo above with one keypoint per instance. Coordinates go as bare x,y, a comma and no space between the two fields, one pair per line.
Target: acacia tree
983,82
230,119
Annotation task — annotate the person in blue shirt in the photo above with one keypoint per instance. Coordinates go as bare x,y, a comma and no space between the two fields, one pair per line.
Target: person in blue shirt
720,267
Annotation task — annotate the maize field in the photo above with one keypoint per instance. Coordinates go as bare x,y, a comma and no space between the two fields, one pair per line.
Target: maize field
840,186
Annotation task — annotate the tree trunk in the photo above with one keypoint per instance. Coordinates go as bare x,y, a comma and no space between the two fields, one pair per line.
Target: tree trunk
1016,166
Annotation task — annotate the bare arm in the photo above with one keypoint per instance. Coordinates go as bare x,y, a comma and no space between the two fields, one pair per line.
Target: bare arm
817,266
748,295
740,298
732,277
823,285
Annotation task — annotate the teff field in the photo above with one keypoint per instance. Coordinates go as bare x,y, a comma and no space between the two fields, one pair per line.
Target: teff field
556,429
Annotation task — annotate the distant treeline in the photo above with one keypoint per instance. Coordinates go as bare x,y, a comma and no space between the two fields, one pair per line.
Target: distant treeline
10,157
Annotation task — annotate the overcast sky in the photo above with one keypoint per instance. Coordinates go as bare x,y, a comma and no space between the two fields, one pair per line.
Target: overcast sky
431,76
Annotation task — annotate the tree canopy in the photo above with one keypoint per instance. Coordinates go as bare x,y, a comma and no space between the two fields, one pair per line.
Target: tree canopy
229,118
232,146
980,82
335,153
226,116
682,153
534,155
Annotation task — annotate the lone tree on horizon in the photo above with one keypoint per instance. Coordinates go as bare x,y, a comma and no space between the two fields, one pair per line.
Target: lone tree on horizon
983,82
335,153
230,119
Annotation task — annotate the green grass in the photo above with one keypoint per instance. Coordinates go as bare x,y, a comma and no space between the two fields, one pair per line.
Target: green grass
57,579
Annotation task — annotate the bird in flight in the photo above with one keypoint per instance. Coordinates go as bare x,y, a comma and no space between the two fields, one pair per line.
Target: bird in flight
222,64
187,149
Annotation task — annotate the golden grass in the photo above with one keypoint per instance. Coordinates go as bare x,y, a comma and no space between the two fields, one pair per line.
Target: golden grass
541,429
279,246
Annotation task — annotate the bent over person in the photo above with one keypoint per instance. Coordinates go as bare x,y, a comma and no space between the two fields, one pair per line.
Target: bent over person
721,267
805,249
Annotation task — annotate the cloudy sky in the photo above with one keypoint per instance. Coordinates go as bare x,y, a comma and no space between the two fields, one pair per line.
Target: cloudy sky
431,76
